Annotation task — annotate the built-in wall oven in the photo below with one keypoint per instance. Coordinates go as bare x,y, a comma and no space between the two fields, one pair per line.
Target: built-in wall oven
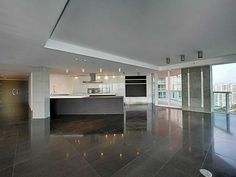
93,90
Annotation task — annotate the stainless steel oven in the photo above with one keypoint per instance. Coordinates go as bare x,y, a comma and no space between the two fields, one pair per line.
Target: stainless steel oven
93,90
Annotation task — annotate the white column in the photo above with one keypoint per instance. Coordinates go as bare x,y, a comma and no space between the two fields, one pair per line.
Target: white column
40,93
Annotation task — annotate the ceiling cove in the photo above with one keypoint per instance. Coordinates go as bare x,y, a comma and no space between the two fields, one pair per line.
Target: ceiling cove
145,33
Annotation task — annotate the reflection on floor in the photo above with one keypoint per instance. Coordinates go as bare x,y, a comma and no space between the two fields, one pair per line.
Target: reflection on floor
87,124
14,113
148,141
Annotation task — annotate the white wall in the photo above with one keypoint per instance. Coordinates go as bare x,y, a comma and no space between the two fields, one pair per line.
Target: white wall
115,85
66,84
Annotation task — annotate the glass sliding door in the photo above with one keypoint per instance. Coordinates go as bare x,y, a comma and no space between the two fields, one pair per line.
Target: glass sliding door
175,88
169,88
162,88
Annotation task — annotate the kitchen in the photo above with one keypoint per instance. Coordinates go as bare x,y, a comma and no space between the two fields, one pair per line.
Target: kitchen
95,94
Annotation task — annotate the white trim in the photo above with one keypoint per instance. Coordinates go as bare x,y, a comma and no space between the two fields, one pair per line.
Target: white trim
188,77
70,48
202,89
76,49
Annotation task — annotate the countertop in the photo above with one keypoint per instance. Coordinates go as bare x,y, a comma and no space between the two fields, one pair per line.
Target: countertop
57,96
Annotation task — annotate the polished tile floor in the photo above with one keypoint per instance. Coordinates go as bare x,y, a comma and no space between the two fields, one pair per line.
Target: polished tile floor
146,142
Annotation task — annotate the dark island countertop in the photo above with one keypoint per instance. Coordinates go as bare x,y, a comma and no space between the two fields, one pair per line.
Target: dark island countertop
86,105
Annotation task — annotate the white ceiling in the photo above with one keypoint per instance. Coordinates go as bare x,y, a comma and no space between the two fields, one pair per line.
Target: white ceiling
150,30
144,31
25,26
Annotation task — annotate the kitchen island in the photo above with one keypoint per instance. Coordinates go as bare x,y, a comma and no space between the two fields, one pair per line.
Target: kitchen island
86,104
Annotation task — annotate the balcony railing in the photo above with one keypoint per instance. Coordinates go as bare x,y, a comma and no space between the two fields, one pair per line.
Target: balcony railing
222,102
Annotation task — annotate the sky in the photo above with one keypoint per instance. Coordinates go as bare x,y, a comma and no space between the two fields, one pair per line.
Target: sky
224,73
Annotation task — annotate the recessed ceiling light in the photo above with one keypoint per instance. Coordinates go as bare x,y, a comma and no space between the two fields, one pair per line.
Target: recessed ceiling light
106,77
83,70
98,77
67,70
119,70
100,70
76,77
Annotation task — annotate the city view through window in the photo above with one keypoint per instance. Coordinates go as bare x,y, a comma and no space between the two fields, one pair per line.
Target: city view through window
224,80
170,88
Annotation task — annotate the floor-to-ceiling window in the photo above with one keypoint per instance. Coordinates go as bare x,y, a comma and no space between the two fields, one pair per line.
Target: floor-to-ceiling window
175,88
224,85
162,87
169,88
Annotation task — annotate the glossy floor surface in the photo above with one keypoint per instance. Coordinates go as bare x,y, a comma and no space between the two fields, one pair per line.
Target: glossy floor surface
146,142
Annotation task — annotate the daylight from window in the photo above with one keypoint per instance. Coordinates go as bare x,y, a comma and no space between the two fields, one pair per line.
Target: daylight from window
224,82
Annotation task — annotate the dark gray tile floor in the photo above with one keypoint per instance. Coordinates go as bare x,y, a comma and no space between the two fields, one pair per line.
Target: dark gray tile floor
146,142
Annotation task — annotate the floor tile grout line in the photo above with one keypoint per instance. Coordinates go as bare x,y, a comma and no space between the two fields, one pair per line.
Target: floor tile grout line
166,162
131,160
127,164
206,155
13,169
26,160
82,157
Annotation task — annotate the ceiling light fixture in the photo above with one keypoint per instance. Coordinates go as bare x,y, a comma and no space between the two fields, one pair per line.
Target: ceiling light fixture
182,57
76,77
167,60
106,77
83,70
199,54
119,70
98,77
100,70
113,76
67,70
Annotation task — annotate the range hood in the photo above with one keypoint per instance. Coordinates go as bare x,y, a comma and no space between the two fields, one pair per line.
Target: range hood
92,79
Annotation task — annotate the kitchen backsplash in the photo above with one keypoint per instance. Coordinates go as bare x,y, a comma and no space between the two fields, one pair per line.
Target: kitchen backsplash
64,84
